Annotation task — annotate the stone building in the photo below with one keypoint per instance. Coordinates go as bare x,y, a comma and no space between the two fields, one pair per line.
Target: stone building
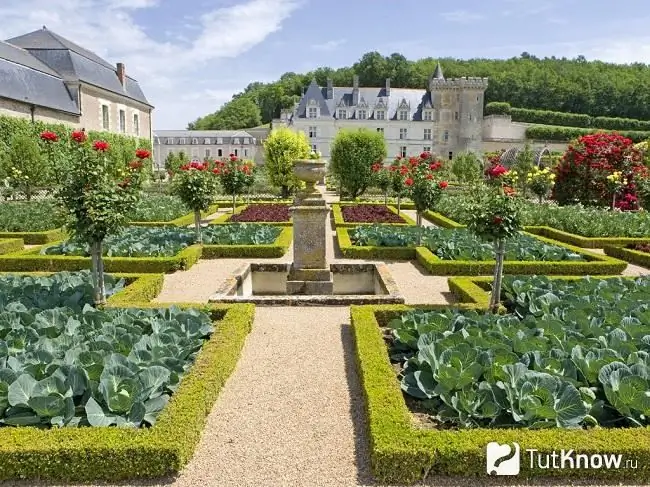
44,76
445,118
201,144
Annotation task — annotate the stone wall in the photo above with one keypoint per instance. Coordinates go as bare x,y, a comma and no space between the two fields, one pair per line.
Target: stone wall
23,110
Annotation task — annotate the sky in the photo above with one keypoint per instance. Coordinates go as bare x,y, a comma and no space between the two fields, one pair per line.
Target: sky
191,56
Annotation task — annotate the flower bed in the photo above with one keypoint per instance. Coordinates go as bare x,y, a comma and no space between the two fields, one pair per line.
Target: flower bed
158,208
133,386
346,215
402,452
36,222
263,213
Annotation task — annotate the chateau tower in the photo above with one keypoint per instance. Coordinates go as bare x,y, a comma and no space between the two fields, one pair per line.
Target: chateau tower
458,105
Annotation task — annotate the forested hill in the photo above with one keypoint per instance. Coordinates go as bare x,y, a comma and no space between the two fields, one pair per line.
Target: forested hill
566,85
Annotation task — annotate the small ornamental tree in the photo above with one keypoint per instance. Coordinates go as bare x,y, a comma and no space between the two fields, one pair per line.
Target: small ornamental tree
281,149
581,175
399,181
381,179
353,154
235,176
195,184
425,184
467,168
99,198
495,216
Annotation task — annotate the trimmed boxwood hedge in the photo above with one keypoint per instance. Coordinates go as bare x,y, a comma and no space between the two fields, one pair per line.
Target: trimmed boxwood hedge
31,260
580,241
629,255
553,132
181,221
337,216
369,252
401,453
8,245
37,238
440,220
111,454
225,218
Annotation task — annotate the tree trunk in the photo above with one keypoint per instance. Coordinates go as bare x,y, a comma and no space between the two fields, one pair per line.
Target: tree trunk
495,296
234,203
100,274
385,198
418,218
285,192
540,199
614,202
94,272
197,226
399,204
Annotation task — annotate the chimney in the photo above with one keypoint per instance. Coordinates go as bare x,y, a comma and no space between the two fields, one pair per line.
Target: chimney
355,90
330,89
121,73
387,87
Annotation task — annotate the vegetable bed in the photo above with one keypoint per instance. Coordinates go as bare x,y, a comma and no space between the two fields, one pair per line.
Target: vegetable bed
168,241
459,244
67,369
568,354
532,366
158,208
30,216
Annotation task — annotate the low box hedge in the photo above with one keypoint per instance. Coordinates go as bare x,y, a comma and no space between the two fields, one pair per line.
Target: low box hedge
337,216
440,220
580,241
593,264
32,260
112,454
181,221
225,218
629,255
402,453
9,245
37,238
276,249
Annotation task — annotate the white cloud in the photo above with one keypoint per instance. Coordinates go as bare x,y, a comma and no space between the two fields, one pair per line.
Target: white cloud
163,67
329,45
462,16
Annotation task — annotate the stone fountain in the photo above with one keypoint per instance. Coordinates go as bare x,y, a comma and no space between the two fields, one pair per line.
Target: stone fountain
310,280
310,273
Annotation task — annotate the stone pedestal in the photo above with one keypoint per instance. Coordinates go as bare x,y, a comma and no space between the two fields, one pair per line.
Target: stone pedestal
310,273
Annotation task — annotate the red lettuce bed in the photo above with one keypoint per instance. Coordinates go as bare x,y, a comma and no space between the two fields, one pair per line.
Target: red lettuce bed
260,212
370,214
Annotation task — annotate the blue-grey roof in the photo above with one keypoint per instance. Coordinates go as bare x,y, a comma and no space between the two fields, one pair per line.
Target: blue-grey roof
414,99
24,78
74,63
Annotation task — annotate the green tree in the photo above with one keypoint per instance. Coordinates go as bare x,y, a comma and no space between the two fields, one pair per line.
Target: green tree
281,149
467,167
353,152
25,166
240,113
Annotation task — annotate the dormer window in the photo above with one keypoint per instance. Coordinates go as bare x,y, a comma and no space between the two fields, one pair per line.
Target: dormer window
380,115
343,114
195,141
361,114
170,141
207,142
312,112
181,141
403,115
219,140
236,142
427,115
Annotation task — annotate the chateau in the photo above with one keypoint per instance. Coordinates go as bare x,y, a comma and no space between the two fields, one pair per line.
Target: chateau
444,119
46,77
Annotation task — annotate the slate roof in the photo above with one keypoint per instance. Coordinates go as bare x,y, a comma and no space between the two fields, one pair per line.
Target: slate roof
161,136
74,63
342,97
24,78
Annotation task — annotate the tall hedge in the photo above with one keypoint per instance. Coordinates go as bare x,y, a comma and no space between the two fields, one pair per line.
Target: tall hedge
564,119
122,146
554,132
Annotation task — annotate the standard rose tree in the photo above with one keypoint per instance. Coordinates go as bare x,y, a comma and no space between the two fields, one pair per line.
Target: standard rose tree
425,183
196,185
235,177
98,198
